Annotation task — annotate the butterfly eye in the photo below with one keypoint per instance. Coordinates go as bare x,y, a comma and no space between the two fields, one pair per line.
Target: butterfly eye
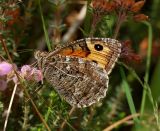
98,47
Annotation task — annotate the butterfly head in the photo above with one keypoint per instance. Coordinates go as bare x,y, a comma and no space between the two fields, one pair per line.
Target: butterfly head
39,54
41,58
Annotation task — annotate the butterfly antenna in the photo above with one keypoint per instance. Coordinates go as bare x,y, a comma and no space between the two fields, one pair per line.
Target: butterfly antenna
34,64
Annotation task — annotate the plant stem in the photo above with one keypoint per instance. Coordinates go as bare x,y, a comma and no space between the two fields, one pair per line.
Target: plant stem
44,27
146,77
116,124
23,86
128,94
65,121
120,20
9,108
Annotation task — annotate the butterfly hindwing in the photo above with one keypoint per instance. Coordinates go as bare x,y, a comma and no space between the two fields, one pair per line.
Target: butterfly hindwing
80,82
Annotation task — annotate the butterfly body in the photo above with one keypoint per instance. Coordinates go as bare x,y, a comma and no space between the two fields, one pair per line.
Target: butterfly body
79,71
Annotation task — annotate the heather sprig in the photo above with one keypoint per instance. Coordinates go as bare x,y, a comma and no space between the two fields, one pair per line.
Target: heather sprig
26,72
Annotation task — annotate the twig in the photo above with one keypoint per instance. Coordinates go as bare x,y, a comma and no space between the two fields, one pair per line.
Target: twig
23,86
9,108
121,19
121,122
65,121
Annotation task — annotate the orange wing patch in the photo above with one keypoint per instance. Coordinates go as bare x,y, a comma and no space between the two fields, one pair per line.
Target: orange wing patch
103,51
76,52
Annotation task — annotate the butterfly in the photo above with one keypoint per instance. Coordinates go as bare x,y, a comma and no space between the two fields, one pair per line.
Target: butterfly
79,71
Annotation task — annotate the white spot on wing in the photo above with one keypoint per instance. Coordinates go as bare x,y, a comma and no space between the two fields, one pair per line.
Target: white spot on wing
67,59
81,61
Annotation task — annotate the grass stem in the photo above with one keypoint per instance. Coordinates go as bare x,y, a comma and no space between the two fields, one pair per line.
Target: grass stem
146,77
128,94
44,27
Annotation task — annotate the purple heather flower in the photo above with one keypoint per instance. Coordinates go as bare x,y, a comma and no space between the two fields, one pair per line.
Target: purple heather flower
37,75
26,70
3,85
30,73
5,68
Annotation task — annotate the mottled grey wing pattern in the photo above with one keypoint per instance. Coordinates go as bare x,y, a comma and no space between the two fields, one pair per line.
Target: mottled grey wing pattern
81,83
81,79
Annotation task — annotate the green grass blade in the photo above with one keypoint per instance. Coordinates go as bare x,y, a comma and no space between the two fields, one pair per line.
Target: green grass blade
44,27
128,94
146,77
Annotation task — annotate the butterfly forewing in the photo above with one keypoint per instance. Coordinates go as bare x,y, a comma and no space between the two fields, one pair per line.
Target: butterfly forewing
104,51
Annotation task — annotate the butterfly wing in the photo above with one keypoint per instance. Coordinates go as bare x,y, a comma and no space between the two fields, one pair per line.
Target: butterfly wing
103,51
79,71
80,82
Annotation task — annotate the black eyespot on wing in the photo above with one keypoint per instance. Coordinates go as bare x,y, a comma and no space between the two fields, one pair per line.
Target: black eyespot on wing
98,47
